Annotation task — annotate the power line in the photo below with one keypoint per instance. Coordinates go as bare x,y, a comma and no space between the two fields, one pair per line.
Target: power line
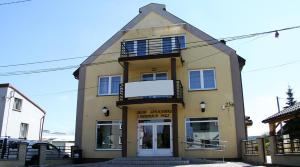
73,66
215,41
13,2
229,39
53,69
273,66
41,62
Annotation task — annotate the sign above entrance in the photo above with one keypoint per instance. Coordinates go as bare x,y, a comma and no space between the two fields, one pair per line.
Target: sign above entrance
154,114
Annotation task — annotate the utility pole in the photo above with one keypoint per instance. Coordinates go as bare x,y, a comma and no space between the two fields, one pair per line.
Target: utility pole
278,108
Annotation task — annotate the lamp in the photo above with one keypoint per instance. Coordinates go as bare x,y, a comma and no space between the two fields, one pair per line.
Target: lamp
105,111
202,106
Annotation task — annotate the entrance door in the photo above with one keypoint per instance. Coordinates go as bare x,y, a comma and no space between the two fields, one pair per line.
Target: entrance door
154,138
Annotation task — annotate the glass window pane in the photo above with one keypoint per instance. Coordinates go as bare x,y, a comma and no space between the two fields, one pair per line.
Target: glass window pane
148,77
115,82
141,48
202,134
108,136
17,104
103,86
163,136
129,46
180,42
195,82
167,45
161,76
23,130
209,79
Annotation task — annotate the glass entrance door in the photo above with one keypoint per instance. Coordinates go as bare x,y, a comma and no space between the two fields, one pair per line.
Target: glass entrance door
155,139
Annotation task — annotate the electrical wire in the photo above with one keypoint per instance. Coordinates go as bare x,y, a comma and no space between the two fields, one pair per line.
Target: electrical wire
214,41
13,2
273,66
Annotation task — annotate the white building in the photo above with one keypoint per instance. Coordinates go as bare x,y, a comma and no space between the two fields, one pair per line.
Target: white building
19,116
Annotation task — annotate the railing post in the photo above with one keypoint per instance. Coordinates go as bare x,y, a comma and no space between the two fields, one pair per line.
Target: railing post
173,76
175,130
124,130
125,78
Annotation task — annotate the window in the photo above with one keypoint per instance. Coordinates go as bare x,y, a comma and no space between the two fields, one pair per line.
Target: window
17,104
173,43
154,76
202,133
109,85
202,79
136,48
23,130
180,41
108,134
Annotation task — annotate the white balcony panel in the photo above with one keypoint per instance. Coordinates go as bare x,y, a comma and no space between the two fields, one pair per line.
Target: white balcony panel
149,88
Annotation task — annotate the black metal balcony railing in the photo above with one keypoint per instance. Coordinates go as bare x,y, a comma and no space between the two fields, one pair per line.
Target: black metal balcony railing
155,46
177,97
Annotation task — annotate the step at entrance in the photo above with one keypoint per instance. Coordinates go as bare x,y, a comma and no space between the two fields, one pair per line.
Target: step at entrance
148,161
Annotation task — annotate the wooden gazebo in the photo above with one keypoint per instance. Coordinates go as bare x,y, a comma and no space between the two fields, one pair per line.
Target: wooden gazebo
284,115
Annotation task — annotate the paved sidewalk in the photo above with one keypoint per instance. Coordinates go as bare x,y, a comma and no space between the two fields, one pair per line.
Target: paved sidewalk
221,164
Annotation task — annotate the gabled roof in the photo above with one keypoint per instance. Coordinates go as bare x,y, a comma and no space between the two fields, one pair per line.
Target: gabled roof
7,85
292,110
160,9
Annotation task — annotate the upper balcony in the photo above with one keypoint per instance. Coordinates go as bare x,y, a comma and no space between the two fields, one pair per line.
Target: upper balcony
155,48
159,91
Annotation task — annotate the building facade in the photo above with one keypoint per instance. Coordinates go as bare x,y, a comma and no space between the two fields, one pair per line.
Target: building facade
19,116
160,87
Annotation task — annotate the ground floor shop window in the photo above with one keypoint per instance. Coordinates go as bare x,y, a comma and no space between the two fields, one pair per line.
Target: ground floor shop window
202,133
109,134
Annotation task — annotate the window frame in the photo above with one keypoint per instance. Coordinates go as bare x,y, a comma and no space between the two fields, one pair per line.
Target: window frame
173,42
135,46
27,129
202,79
109,85
208,119
96,134
154,75
16,109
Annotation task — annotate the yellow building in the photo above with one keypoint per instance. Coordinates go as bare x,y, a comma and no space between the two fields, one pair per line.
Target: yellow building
160,87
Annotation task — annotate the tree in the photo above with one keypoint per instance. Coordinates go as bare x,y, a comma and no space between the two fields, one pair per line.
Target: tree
290,98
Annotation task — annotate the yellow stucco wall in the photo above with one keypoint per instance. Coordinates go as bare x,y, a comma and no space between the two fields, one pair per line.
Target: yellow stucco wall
196,58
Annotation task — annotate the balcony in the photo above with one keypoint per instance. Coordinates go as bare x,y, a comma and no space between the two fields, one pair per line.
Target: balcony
156,48
159,91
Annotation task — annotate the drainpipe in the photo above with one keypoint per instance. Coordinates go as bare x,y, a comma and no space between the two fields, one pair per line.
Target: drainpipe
41,127
11,95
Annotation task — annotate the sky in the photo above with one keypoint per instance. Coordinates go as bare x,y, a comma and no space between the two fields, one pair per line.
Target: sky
40,30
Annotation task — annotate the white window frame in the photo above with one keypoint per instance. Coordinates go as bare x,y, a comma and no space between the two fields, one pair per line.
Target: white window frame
112,149
120,140
208,120
17,109
154,75
202,79
109,84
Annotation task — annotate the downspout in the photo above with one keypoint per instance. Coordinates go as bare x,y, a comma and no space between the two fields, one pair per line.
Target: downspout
41,127
11,95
